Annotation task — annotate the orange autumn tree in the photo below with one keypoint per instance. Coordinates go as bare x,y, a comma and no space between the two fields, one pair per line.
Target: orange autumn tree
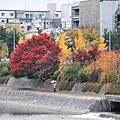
108,63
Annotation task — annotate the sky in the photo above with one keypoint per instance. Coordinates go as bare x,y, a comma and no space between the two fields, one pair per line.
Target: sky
30,4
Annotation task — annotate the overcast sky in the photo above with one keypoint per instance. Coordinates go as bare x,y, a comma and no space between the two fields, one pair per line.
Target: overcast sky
30,4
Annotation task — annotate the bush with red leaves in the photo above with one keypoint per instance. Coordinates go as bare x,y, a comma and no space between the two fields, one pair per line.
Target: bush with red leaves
35,54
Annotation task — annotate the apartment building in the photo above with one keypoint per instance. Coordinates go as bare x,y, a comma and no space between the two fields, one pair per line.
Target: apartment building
85,14
5,14
26,18
31,19
75,16
89,13
117,18
99,14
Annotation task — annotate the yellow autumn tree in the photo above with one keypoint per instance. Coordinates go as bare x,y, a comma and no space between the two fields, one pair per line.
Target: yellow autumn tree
80,43
66,52
88,38
21,40
90,34
102,45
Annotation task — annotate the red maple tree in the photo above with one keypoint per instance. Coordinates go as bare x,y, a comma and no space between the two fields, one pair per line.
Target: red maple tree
35,54
85,57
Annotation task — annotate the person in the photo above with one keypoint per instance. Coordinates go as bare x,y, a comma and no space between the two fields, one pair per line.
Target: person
54,86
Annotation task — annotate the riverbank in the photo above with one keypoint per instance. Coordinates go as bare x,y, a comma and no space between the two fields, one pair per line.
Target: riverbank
13,100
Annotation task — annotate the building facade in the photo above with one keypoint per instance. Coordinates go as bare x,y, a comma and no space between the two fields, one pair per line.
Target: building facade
89,13
107,15
117,17
85,14
31,19
66,16
5,14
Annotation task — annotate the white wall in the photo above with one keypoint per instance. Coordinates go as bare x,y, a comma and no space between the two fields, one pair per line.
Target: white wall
7,14
66,10
107,12
66,15
52,8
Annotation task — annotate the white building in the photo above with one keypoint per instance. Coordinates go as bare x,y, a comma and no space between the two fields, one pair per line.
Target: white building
66,16
107,15
5,14
51,7
27,18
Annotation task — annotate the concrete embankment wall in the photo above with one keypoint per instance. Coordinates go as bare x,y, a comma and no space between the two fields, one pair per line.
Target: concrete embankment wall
31,83
23,101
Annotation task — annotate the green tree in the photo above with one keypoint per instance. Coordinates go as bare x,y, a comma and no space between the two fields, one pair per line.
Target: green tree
3,49
115,39
6,35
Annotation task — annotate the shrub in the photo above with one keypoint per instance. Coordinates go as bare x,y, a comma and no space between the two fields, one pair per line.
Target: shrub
70,73
7,64
65,85
70,85
83,76
56,74
94,76
4,72
91,87
113,89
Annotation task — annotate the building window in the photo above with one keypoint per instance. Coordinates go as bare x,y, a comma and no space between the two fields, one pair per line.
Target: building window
31,16
28,28
27,16
2,14
27,21
49,23
22,27
56,15
118,18
11,14
40,16
3,21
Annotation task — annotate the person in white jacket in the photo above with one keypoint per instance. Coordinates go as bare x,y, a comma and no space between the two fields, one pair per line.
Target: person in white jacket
54,86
